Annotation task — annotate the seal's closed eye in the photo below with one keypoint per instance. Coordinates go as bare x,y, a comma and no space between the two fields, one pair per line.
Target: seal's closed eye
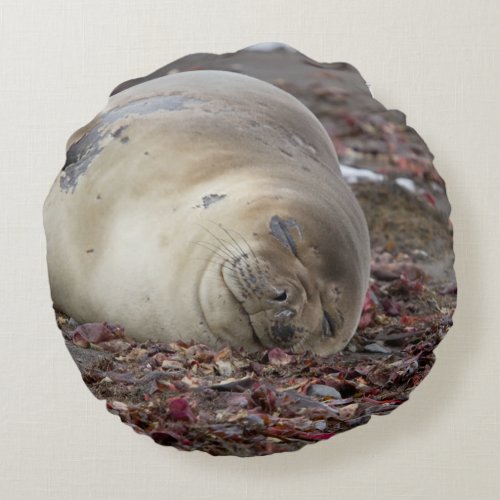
328,325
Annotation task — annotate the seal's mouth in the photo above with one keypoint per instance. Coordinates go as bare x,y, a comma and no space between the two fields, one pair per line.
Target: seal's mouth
282,334
269,341
266,331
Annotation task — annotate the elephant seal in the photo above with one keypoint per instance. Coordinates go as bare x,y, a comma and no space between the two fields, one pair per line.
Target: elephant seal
208,205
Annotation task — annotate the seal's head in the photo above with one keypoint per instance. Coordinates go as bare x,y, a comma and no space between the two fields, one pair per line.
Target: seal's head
288,294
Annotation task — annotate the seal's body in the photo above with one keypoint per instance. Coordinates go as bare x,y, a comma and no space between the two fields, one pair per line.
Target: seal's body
208,205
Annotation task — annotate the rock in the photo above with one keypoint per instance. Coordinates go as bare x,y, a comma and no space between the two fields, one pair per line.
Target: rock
377,348
323,391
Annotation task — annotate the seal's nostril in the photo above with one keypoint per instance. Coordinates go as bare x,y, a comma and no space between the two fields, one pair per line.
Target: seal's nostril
281,297
283,333
285,313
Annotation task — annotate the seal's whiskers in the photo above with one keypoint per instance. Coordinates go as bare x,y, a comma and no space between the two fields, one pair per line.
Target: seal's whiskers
234,240
209,261
225,244
214,249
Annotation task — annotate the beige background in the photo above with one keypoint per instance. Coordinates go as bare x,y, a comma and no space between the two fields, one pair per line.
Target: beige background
437,60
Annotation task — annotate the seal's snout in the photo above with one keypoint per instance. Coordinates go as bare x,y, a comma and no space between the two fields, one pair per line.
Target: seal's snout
282,333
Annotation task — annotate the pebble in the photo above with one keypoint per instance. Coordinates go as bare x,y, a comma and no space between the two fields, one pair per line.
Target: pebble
377,348
323,391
